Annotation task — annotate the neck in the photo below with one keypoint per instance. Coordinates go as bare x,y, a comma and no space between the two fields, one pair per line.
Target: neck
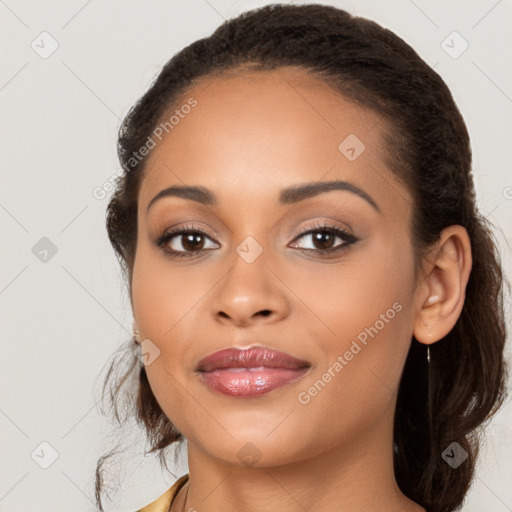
353,476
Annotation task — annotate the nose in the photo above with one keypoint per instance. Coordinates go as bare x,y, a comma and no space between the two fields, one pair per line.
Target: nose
250,294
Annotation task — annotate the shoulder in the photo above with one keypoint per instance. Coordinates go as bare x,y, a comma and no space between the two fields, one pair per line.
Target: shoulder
163,503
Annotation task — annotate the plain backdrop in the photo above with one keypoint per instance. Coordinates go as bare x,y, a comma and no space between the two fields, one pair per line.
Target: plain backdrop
69,73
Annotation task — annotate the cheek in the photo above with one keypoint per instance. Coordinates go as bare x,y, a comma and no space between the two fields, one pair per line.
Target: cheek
169,303
365,320
164,294
344,298
163,303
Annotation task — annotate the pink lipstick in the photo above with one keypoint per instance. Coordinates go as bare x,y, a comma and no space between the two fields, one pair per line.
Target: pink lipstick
250,372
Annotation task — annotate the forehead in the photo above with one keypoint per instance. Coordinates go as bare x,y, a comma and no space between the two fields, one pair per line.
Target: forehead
252,132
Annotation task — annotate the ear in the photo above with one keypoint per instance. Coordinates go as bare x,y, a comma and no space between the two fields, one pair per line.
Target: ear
440,297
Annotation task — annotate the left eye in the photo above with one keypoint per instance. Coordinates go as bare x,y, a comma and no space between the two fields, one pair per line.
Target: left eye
323,239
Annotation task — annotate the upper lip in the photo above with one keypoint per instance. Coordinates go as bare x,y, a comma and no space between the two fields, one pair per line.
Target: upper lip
251,357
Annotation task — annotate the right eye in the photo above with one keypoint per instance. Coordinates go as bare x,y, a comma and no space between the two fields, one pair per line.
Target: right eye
183,242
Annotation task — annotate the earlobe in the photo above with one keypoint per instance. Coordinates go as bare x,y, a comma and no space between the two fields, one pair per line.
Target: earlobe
444,286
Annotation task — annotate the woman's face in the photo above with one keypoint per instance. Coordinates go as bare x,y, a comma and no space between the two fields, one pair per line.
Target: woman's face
253,277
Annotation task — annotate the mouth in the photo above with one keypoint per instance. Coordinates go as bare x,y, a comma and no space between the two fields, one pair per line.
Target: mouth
251,372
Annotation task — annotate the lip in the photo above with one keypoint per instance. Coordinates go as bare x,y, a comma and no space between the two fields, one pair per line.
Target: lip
250,372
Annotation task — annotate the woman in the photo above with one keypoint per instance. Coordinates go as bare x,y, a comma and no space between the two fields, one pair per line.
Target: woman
317,301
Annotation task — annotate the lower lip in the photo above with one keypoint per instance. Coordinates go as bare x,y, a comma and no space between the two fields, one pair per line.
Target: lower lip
246,383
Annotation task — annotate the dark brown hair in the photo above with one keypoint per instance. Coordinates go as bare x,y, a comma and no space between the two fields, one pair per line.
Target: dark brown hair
429,151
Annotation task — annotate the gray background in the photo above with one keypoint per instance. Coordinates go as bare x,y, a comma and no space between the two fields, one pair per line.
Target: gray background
63,318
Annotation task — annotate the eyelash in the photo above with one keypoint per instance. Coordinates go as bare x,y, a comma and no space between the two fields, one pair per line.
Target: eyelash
349,239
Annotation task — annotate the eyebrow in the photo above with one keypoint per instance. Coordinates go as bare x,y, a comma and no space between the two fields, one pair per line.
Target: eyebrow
288,195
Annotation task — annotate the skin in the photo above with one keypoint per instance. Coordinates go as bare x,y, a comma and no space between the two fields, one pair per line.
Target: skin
250,136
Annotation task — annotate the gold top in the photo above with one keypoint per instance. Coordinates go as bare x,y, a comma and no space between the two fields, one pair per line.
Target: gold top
163,504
